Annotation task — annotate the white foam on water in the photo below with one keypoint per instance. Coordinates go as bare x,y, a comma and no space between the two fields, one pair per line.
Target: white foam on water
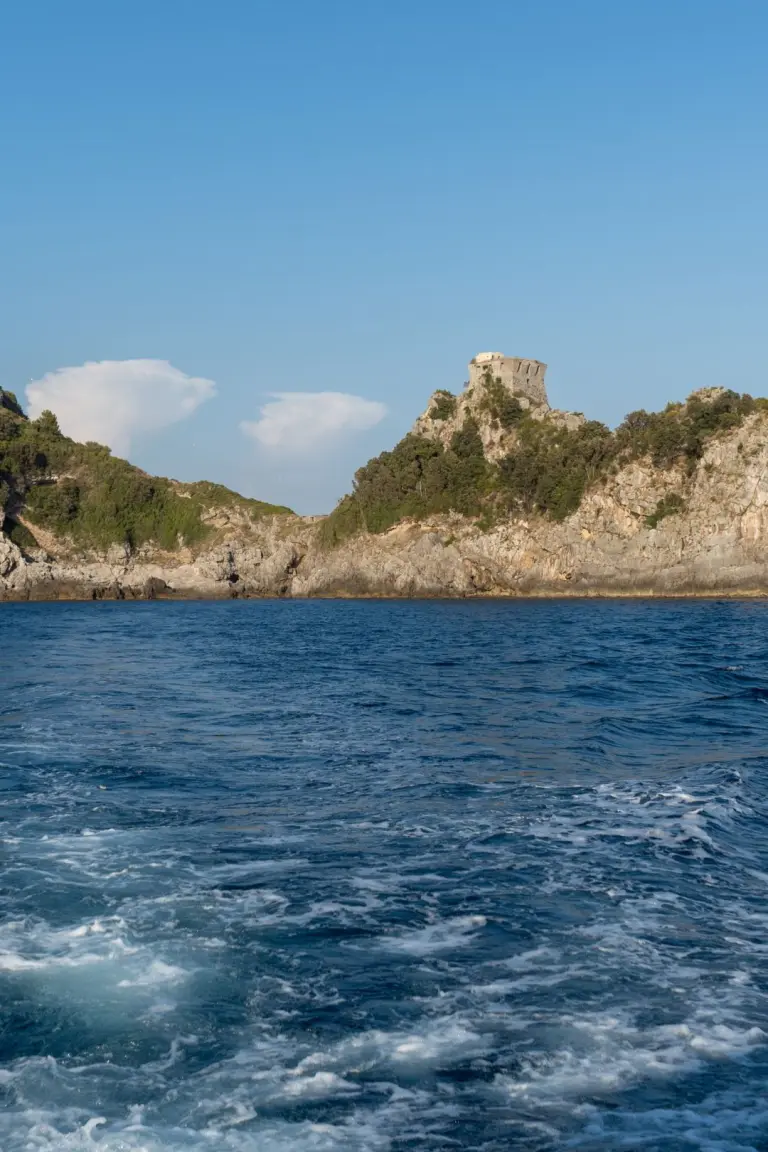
347,912
34,946
176,1053
13,962
380,884
500,988
735,1121
472,1013
262,906
450,1038
442,936
243,1134
231,1107
216,875
157,972
269,1072
97,927
81,964
533,958
632,811
609,1053
320,1085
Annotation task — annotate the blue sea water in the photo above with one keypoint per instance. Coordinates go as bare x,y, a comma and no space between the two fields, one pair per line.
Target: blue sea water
383,875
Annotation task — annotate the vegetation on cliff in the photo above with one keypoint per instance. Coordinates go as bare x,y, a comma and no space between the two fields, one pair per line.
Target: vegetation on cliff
444,405
681,431
668,505
416,478
82,492
504,408
546,472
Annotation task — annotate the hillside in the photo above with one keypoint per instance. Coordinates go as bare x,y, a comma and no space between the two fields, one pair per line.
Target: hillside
89,500
497,457
490,493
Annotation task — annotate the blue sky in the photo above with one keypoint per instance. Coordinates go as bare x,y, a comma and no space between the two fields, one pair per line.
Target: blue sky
355,197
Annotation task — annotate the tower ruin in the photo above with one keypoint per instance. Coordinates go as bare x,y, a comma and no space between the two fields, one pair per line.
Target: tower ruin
520,377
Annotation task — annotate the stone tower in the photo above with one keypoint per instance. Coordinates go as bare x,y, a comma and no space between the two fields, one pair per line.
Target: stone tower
521,377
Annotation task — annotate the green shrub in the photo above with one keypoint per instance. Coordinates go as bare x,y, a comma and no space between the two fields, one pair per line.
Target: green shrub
10,425
19,535
53,505
681,431
417,478
551,466
669,505
395,484
444,406
47,424
499,402
205,494
488,520
345,520
10,403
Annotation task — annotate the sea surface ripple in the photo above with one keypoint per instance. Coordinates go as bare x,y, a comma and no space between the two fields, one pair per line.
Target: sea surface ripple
384,875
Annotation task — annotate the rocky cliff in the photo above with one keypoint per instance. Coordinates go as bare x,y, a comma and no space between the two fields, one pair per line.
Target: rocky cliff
671,504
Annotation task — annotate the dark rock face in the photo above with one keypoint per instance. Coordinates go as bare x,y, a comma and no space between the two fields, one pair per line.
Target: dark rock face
10,403
155,587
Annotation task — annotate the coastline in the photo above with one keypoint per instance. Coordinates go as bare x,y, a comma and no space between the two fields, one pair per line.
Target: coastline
53,595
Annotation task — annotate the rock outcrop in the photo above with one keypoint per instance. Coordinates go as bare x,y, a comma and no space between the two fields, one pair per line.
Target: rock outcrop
446,414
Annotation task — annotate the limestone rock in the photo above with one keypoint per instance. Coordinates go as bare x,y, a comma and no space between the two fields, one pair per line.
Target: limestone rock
10,557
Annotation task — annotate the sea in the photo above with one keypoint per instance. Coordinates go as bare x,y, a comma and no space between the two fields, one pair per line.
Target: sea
329,875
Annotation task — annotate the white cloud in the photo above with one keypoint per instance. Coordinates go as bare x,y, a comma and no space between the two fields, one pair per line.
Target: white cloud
297,421
112,400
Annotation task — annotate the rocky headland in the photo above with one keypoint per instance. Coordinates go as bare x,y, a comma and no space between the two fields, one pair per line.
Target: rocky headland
492,493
